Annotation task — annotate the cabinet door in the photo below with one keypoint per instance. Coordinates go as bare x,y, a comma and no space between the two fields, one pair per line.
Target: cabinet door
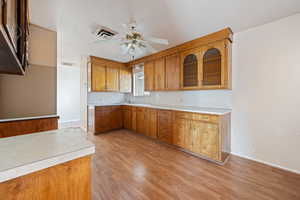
127,118
159,74
125,80
152,123
133,119
190,71
102,119
164,126
181,131
116,121
141,120
206,139
149,76
112,78
98,77
173,72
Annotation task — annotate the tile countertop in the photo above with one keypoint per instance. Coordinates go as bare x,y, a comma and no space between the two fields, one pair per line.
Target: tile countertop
202,110
26,154
28,118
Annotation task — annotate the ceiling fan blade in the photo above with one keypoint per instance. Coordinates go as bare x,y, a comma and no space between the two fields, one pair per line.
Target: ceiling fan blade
157,40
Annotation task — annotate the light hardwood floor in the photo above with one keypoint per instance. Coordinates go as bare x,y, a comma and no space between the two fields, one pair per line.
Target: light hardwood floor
130,166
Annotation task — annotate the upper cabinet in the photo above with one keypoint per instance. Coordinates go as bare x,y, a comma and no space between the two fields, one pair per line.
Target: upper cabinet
206,67
109,76
200,64
159,74
190,69
173,72
149,76
14,31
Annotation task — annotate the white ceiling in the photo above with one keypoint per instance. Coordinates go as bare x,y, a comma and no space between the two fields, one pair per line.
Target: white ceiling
176,20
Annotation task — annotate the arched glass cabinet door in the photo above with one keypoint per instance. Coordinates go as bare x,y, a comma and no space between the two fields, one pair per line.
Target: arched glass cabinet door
212,66
190,71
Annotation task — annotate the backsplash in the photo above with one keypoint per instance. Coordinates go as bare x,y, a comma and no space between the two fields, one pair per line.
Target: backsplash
99,98
209,99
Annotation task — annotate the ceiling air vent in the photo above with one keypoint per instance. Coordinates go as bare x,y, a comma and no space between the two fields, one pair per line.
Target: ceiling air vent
105,33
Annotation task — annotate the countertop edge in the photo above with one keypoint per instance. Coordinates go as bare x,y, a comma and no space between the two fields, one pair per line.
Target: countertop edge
171,108
28,118
16,172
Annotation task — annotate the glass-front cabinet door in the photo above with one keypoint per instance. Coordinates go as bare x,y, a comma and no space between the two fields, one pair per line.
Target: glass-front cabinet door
213,69
190,69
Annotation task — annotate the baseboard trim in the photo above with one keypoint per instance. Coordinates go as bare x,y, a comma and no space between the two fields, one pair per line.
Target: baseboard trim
267,163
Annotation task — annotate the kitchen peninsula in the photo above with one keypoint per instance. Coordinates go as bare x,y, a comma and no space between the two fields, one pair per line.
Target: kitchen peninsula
46,165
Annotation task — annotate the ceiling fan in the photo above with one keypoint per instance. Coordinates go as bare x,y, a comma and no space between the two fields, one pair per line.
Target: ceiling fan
131,40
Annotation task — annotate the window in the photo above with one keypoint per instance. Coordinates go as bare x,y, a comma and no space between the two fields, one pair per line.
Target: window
138,80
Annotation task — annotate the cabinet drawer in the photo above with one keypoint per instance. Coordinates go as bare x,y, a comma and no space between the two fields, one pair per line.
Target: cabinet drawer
206,118
183,115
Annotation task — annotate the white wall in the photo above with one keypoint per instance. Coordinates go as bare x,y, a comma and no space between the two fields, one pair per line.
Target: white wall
68,95
265,98
100,98
266,94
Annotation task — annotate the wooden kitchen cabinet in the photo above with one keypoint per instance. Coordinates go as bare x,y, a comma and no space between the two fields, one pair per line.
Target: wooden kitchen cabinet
109,76
159,74
205,135
173,72
149,76
133,119
98,77
141,120
127,118
107,118
151,123
181,135
112,78
125,80
164,126
205,139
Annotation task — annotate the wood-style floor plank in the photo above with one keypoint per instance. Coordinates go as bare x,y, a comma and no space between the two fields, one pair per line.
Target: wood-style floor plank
130,166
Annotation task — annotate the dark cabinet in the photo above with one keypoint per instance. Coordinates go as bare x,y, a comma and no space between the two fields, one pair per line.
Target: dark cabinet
14,32
108,118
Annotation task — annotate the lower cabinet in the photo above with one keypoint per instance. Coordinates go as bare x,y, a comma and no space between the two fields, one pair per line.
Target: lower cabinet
127,119
151,123
164,126
203,134
108,118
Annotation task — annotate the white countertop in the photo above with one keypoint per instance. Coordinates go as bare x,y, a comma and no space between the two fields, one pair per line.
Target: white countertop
28,118
202,110
26,154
